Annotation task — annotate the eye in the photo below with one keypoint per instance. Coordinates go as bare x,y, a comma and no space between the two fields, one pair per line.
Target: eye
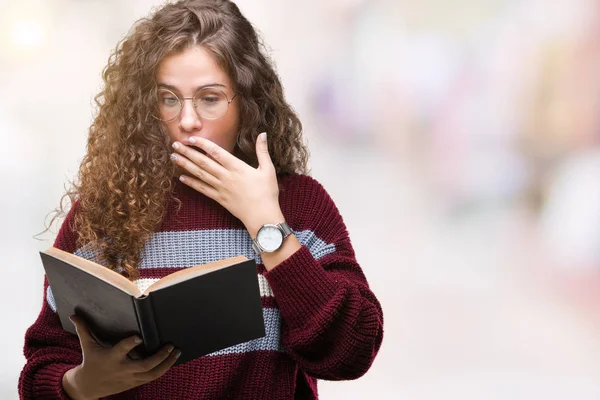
210,99
170,101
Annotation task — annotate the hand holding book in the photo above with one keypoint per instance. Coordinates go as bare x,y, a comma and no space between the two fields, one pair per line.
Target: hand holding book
199,309
108,370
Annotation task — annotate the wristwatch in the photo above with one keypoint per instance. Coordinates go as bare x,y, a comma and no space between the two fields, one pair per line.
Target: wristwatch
270,237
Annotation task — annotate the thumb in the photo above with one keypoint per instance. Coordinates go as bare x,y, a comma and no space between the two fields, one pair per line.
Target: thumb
85,337
262,151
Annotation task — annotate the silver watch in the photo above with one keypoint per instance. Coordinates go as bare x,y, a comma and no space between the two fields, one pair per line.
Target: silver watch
270,237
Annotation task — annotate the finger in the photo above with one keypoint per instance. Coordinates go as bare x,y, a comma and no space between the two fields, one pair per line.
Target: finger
85,337
148,364
201,160
194,169
200,186
217,153
121,349
163,367
262,151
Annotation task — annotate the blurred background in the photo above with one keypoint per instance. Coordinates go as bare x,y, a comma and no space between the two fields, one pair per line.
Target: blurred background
460,141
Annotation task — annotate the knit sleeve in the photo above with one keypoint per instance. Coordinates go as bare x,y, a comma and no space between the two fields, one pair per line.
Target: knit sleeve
49,350
332,322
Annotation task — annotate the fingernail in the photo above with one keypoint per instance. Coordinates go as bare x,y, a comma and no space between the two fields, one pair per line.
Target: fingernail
192,140
263,136
170,348
173,157
137,340
176,145
182,178
177,353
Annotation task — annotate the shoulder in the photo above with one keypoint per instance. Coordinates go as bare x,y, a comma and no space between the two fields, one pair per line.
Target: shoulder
304,201
66,238
290,181
300,188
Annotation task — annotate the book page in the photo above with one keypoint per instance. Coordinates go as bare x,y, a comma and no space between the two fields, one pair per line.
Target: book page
107,275
192,272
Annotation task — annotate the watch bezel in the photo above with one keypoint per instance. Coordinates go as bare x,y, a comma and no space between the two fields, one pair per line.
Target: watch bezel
265,226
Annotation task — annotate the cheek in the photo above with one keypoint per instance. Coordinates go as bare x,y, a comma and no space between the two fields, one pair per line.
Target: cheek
228,131
225,136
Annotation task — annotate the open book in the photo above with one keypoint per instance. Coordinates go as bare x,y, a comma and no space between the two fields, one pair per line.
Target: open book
199,309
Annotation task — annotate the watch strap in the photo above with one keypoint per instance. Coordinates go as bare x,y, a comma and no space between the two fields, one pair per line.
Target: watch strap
256,248
285,228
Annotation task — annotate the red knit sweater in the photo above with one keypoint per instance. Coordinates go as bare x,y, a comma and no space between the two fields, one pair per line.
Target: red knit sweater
321,319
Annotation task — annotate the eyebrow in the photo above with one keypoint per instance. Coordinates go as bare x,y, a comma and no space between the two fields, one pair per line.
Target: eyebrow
173,88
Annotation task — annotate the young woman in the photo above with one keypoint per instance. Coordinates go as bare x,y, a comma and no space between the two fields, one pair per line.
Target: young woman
178,173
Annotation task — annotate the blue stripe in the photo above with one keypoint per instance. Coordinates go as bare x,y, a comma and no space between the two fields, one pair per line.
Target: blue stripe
182,249
271,340
317,247
50,299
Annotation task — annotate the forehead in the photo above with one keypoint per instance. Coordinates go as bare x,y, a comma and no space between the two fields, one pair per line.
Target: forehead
191,68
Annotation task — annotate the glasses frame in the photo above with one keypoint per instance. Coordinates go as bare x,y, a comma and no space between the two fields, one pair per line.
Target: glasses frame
181,101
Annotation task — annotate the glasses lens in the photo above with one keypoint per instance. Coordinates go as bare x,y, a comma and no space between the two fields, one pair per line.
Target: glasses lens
211,103
169,105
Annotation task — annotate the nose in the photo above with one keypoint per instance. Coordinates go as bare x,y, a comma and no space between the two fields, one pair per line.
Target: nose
189,120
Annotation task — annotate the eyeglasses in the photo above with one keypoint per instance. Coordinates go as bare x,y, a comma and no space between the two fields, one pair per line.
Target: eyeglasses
209,103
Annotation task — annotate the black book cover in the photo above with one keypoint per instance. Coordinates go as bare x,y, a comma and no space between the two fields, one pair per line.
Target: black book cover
199,310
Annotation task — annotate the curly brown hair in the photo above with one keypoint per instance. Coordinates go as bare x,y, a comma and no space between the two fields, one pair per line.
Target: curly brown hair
126,178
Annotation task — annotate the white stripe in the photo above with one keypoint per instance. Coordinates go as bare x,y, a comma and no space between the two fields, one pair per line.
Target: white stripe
144,283
265,289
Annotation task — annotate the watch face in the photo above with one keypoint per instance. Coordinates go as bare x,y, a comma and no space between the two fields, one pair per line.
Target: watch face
269,238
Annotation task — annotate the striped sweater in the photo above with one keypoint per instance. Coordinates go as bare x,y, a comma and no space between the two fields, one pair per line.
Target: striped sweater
321,319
